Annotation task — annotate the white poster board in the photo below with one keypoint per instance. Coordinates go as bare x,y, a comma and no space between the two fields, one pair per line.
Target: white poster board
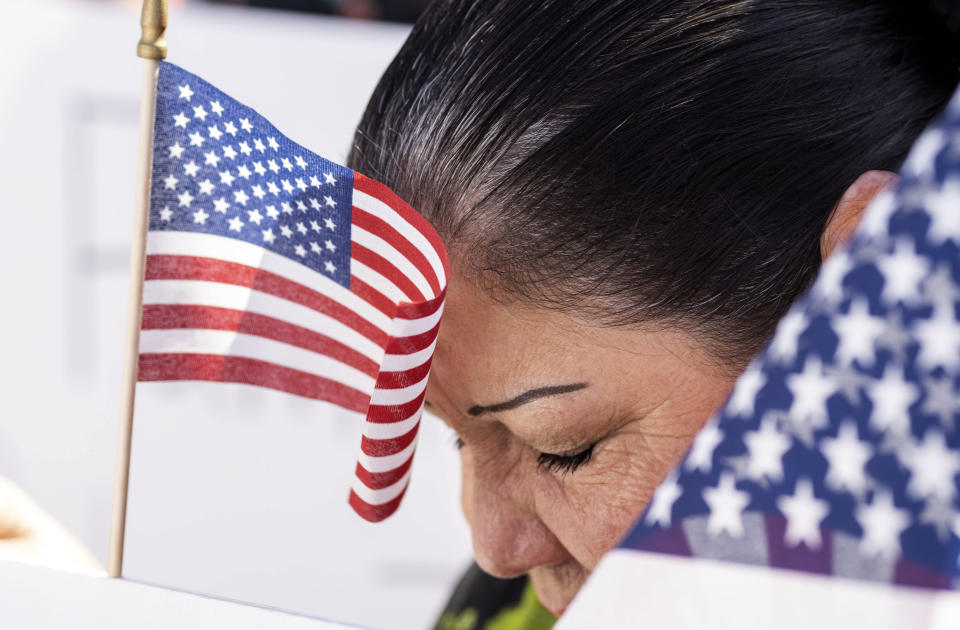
44,599
631,590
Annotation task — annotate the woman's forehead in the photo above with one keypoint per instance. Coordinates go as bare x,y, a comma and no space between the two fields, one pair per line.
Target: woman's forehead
490,351
507,339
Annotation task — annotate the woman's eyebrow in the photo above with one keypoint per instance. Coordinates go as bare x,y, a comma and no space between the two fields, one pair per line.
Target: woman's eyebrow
525,397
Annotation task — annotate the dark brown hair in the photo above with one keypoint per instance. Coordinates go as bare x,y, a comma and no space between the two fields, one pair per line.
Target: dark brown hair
650,160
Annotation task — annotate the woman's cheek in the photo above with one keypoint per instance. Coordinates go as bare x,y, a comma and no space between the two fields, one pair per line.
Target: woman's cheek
591,509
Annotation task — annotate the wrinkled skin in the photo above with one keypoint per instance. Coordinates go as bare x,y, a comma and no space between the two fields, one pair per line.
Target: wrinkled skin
645,393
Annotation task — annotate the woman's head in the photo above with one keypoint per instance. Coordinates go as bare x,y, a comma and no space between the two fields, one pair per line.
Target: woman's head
631,193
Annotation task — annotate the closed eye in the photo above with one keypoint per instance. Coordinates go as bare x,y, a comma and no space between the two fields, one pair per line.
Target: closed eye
563,464
554,463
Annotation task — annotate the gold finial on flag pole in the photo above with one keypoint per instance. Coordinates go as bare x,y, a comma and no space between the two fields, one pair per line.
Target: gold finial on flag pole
153,48
153,23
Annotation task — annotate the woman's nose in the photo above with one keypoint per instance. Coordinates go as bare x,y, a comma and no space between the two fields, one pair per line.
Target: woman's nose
509,538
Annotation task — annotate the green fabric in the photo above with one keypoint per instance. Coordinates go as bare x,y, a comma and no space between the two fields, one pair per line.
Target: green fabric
466,620
528,614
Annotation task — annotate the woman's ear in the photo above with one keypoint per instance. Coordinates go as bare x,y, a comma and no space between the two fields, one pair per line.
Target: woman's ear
846,214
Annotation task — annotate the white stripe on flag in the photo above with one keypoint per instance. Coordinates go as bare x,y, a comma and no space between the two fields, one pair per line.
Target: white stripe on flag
378,281
380,209
401,362
399,396
384,495
237,251
395,258
386,463
217,294
390,430
410,327
229,343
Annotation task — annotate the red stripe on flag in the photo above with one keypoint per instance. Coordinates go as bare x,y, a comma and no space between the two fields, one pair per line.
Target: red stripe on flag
406,378
231,369
386,269
168,316
167,267
376,225
375,513
378,481
385,414
376,299
408,214
417,310
391,446
413,343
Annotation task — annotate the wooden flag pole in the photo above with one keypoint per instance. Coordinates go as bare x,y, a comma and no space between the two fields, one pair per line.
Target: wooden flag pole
152,48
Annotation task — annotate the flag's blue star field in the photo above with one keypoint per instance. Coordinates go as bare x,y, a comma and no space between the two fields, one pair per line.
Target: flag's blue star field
221,168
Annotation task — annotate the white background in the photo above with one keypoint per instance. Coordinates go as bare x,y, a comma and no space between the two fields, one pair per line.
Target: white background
235,492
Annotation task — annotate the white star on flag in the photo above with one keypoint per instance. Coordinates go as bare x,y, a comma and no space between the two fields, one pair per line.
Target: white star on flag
749,385
783,348
903,271
811,389
804,513
664,497
939,338
706,442
726,504
857,333
892,397
933,467
882,524
766,447
847,458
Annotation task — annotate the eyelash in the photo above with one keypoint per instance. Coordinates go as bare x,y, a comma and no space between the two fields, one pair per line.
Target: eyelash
563,464
554,463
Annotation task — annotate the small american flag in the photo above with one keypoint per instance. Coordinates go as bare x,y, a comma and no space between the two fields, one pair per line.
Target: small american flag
271,266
